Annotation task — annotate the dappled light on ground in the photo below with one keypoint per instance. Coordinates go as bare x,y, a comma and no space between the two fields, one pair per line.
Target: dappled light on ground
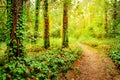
59,39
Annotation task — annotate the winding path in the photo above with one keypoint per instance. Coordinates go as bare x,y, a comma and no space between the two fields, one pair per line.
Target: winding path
94,65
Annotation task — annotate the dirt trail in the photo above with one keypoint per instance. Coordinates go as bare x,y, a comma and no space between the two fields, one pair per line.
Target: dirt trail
94,65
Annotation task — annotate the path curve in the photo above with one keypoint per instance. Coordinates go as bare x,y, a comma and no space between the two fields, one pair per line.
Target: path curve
94,65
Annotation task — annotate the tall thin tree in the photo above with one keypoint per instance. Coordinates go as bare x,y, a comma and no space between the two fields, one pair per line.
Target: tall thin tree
46,26
114,16
65,25
105,19
37,19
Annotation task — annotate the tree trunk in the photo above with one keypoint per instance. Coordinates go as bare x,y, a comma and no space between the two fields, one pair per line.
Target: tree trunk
114,16
16,11
115,9
65,26
14,41
37,19
46,26
105,19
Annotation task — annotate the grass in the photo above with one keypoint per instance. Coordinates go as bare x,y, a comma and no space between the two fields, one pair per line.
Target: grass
109,45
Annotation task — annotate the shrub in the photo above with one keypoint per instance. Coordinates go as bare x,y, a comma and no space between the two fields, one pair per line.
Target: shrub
46,65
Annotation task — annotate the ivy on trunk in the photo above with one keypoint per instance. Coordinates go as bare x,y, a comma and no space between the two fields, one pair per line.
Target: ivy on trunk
15,26
37,20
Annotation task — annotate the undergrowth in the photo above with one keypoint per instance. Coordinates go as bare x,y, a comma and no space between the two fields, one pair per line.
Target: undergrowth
45,66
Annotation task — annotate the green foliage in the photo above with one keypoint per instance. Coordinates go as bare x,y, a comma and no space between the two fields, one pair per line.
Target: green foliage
13,45
56,33
46,65
113,18
115,55
109,45
3,29
86,19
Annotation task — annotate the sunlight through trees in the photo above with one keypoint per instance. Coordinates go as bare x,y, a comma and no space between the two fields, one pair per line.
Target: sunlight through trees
48,32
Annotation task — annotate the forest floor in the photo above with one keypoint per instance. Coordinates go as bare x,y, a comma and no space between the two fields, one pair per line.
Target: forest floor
94,65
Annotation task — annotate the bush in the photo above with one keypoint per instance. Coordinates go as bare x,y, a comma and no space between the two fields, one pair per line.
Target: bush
115,55
45,66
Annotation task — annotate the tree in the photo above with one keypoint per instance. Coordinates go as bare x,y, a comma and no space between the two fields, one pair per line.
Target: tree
15,26
46,26
114,16
37,19
65,25
105,20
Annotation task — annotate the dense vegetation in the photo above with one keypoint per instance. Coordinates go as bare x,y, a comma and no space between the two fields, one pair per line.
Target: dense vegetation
35,35
42,66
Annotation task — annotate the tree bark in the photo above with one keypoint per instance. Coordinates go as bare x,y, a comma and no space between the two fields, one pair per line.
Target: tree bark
46,26
37,19
115,9
16,11
114,16
105,20
65,26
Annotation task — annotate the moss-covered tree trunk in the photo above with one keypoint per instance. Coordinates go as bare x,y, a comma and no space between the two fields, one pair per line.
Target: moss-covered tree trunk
15,25
65,25
46,26
105,19
114,17
37,19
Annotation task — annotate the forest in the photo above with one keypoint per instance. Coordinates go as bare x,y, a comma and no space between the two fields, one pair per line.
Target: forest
59,40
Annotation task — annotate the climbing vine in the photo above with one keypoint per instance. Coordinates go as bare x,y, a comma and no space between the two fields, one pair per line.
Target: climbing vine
8,25
20,30
16,27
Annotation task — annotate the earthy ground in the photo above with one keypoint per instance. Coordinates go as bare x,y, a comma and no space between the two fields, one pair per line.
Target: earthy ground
94,65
